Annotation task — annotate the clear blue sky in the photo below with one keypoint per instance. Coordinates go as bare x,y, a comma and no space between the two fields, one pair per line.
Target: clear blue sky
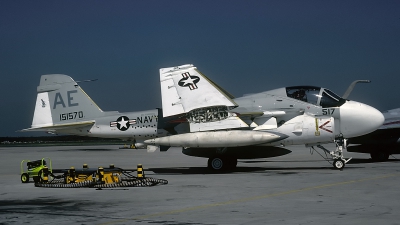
245,46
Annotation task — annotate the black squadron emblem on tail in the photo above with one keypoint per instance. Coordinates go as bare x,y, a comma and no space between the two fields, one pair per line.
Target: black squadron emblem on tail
43,103
123,123
189,81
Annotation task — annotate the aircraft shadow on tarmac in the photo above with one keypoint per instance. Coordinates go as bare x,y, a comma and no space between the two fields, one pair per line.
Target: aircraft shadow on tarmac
47,206
88,149
352,161
364,161
204,170
239,169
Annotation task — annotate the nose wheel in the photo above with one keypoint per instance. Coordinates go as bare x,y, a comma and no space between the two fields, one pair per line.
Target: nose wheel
339,164
339,161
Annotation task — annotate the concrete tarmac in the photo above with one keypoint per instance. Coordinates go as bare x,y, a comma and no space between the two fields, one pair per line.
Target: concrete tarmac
298,188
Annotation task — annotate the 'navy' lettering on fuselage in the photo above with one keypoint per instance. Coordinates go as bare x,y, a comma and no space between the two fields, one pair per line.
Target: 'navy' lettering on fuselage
146,119
58,100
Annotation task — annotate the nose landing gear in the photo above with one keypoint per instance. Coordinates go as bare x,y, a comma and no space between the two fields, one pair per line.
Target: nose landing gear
339,161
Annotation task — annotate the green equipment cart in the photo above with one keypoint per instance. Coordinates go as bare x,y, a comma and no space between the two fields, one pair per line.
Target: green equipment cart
34,169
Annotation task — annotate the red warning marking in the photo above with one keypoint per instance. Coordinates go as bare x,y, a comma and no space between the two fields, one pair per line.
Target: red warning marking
322,127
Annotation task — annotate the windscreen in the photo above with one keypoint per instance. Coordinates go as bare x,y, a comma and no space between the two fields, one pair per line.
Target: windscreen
330,99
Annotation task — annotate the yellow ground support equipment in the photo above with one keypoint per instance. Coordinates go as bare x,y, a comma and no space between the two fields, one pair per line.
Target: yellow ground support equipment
101,177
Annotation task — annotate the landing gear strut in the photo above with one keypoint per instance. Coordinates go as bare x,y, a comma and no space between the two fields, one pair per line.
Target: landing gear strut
339,161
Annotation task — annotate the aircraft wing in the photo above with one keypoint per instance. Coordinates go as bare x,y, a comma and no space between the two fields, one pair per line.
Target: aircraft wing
184,88
186,91
208,109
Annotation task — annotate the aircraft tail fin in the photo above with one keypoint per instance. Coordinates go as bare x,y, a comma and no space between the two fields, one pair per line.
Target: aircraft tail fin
61,104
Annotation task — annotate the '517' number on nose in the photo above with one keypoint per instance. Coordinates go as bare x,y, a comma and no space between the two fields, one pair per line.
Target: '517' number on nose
327,111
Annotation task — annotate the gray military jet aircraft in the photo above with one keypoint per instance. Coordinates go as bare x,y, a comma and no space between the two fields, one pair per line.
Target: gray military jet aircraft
62,107
224,129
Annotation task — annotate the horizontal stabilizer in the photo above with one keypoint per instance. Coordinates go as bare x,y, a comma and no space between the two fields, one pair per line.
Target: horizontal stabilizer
60,126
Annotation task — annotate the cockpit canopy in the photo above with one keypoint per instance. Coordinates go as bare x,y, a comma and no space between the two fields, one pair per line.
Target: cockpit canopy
315,95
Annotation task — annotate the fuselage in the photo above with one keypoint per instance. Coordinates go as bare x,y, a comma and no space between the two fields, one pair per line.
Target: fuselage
133,126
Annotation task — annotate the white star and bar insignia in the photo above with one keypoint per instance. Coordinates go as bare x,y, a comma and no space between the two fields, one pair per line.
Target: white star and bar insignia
189,81
123,123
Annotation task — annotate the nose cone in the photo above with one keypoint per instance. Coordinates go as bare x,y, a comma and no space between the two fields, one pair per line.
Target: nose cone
357,119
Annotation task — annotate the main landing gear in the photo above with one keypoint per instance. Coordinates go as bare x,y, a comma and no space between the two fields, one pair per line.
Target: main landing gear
221,161
218,163
339,161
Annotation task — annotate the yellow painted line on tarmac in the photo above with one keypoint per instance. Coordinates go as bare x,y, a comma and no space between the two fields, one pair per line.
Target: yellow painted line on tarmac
241,200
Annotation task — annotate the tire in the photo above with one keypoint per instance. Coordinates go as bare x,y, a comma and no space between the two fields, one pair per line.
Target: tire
379,156
24,178
216,163
339,164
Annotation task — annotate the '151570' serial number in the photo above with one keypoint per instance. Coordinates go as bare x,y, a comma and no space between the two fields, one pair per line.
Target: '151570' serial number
71,115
